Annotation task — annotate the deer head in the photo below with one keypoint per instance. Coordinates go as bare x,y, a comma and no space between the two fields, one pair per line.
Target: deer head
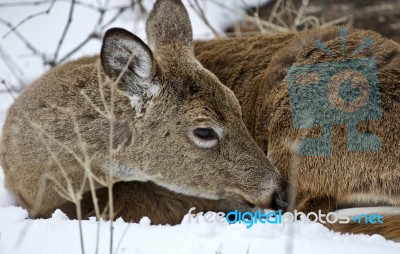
188,134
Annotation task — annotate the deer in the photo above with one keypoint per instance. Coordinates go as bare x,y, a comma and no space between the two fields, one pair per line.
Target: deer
346,180
256,70
148,114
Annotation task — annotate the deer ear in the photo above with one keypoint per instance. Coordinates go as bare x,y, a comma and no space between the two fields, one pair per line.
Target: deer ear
127,58
169,23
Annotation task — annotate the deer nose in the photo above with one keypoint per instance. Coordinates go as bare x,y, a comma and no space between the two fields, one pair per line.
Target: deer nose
281,200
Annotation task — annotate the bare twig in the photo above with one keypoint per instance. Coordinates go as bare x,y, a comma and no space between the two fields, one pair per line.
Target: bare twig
29,45
122,238
79,216
264,23
256,15
22,3
194,4
9,90
78,47
60,42
12,66
97,31
337,21
43,2
95,34
47,11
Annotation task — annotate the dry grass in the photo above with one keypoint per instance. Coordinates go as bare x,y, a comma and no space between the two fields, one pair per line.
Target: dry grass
65,187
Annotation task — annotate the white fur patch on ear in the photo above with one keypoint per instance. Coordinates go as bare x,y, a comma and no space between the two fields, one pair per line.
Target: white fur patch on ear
153,90
124,53
129,52
137,102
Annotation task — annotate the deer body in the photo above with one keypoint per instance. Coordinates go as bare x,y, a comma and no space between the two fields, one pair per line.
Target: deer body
346,177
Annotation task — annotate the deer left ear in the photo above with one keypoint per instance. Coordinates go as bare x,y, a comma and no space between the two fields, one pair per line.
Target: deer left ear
126,57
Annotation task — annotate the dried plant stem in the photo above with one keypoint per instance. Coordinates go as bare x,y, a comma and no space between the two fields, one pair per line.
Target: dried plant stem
64,33
79,215
264,23
47,11
194,4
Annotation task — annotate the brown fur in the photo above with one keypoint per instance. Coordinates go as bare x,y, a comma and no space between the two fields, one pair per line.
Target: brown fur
152,131
346,178
137,199
390,228
272,126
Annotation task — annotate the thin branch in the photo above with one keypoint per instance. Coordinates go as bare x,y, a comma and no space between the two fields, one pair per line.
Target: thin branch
47,11
337,21
12,65
256,15
96,34
194,4
77,48
29,45
43,2
14,4
105,115
275,9
122,238
264,23
79,216
97,31
9,90
60,42
117,15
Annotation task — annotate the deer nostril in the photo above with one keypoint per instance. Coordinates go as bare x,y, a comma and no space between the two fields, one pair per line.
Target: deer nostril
281,199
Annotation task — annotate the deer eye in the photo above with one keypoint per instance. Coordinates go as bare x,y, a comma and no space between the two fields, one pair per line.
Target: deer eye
205,137
205,133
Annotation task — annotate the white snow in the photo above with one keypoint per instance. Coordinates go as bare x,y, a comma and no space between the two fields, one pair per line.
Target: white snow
18,234
60,235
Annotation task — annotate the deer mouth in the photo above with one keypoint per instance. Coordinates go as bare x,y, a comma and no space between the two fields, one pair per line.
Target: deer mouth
278,201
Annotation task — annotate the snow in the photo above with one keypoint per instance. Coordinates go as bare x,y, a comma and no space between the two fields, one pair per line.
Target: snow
18,234
60,235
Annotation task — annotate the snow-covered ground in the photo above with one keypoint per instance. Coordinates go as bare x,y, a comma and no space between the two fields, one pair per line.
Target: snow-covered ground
60,235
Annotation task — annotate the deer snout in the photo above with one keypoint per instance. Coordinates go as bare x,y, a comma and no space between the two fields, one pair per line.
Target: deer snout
280,200
276,199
